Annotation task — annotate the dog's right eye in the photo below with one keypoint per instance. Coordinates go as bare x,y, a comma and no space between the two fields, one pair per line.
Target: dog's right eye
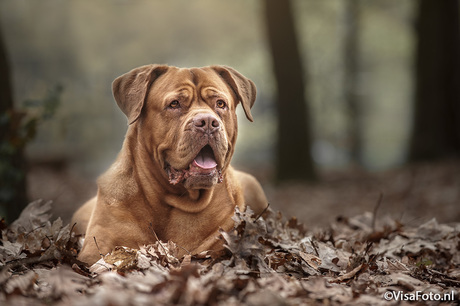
174,104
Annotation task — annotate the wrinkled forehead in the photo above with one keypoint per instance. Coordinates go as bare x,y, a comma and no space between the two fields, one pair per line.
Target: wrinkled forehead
204,81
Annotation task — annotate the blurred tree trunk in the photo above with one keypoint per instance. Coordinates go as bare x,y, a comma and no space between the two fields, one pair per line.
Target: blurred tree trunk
436,126
351,57
13,196
294,160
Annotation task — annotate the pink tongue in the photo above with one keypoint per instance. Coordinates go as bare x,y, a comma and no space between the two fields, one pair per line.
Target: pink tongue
205,159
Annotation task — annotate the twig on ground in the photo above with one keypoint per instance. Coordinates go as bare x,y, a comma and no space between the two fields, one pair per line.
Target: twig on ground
97,246
156,237
315,247
27,261
265,209
376,208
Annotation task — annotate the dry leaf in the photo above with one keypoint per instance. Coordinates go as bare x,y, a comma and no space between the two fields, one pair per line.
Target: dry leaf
32,217
268,261
21,282
312,260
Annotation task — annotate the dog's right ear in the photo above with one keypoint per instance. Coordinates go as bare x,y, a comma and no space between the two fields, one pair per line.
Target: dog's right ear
130,89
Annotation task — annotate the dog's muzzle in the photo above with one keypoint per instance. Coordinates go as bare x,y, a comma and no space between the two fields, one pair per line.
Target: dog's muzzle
202,172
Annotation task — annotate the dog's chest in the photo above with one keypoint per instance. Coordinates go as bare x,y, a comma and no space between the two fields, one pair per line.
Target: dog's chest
189,230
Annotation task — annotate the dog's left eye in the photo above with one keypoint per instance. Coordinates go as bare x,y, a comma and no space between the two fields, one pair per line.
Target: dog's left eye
221,104
174,104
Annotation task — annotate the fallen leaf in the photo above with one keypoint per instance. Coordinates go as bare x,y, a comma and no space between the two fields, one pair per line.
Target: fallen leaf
312,260
21,282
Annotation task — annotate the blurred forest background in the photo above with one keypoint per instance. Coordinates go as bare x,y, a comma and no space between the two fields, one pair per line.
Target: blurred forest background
358,101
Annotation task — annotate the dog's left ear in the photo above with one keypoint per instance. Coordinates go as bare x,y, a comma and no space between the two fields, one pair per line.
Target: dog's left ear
243,87
130,89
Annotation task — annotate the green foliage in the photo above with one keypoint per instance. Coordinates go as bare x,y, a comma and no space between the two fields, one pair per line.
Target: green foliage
48,106
18,128
424,263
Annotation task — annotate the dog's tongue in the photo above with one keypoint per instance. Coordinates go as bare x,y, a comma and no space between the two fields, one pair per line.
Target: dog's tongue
205,159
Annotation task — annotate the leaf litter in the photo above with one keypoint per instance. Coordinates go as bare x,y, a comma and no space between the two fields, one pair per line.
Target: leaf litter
267,260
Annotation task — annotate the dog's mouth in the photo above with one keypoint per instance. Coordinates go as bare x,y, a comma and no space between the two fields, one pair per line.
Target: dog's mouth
205,160
203,167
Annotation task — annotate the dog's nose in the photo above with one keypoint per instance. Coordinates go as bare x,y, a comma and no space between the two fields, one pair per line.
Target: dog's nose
206,123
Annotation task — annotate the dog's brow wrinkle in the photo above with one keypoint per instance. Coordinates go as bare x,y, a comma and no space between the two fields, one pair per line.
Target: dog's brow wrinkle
184,91
211,93
194,78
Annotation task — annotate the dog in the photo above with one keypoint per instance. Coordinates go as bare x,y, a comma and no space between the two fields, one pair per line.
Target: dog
172,179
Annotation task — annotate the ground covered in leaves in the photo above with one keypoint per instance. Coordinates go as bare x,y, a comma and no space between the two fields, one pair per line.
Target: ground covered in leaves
268,260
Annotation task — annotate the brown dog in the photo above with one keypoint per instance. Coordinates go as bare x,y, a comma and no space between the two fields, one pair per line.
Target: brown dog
173,176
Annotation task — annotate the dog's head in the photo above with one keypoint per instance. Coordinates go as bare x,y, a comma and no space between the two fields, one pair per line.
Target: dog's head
185,118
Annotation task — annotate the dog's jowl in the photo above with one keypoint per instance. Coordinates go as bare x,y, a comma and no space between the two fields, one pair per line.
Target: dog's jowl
172,177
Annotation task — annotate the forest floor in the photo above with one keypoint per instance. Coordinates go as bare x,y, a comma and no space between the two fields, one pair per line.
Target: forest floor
372,239
412,194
